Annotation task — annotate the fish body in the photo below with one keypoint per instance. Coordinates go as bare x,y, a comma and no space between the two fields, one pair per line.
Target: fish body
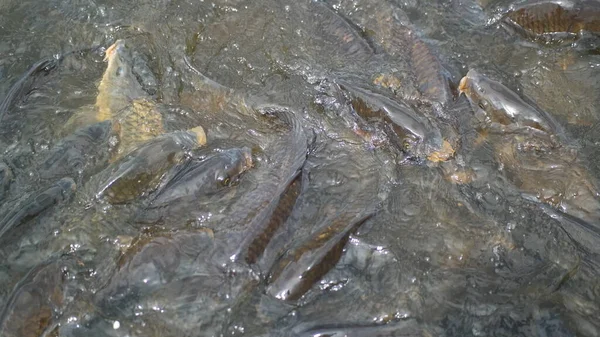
300,268
32,308
259,212
24,83
554,21
122,99
140,172
6,177
60,191
527,149
503,106
79,152
196,179
414,134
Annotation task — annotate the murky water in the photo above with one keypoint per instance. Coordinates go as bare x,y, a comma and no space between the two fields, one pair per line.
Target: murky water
341,184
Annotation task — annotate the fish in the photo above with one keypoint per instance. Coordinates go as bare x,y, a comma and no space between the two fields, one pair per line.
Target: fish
504,107
6,178
41,68
31,309
301,267
122,99
256,242
352,44
61,191
413,134
259,212
408,328
549,21
79,154
151,262
140,172
433,79
535,154
197,179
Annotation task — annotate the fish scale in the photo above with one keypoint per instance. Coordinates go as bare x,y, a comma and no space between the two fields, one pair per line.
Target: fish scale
261,214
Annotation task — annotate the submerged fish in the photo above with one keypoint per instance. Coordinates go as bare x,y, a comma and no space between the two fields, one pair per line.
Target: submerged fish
197,178
79,154
502,106
256,241
412,133
343,32
24,83
259,213
60,191
551,21
6,177
409,328
122,99
301,267
401,39
141,171
32,308
150,263
534,161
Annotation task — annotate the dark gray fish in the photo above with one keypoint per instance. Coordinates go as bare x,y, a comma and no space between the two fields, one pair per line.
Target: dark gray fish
584,233
33,306
60,191
80,153
352,44
409,328
150,263
197,178
415,134
140,172
24,84
503,106
301,267
6,177
259,210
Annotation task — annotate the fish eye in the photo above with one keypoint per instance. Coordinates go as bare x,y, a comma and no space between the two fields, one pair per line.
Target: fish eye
223,179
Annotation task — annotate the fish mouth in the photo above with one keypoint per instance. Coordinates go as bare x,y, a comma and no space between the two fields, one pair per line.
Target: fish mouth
200,134
116,48
463,86
248,162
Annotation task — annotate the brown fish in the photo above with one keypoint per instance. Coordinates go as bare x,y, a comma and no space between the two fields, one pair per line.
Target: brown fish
140,172
31,309
502,106
535,162
352,44
553,22
262,235
432,79
300,268
412,133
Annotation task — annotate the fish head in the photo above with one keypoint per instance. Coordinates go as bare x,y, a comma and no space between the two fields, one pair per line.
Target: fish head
120,61
490,98
501,105
237,161
119,80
